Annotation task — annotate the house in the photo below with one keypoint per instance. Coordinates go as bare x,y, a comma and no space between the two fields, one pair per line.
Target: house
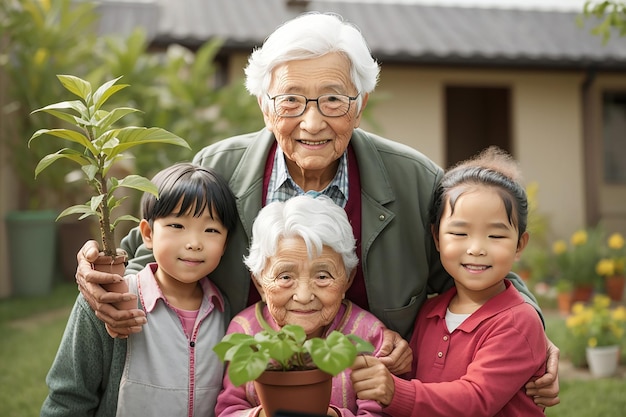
455,80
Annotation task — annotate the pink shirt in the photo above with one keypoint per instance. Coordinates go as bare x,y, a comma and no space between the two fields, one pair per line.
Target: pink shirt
479,369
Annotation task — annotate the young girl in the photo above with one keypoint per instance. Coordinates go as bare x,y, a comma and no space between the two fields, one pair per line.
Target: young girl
94,375
476,345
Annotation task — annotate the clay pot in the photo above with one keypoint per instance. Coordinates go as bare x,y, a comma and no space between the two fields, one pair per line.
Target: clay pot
295,391
614,286
115,265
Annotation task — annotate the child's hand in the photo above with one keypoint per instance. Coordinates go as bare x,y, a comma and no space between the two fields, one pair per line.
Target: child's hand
372,380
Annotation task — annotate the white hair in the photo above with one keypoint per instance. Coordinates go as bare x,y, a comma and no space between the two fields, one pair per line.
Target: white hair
318,221
312,35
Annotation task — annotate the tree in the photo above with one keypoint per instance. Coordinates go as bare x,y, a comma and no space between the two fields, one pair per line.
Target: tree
611,15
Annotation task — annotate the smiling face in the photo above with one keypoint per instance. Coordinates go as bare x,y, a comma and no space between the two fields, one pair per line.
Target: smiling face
303,291
186,248
477,244
313,143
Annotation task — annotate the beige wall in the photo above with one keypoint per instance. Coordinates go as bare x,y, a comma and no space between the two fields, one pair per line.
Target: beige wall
547,130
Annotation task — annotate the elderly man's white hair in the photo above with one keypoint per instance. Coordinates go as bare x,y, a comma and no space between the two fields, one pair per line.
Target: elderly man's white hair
312,35
318,221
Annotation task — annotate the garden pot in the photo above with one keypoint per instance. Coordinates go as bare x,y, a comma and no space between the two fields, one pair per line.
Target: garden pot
31,237
115,265
564,300
582,292
295,391
614,286
603,360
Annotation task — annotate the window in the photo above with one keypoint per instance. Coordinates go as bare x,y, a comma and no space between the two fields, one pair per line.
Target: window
614,137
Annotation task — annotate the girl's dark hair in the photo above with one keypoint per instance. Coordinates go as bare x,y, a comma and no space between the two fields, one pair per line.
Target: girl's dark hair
196,188
493,167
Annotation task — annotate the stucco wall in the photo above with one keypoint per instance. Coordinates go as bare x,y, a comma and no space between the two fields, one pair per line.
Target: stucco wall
546,123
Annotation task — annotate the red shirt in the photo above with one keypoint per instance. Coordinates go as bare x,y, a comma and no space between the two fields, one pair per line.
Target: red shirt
479,369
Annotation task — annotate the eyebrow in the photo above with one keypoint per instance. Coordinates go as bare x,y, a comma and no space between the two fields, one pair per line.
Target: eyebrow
463,223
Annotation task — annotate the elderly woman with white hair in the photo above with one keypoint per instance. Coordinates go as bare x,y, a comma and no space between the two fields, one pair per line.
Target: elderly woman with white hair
302,261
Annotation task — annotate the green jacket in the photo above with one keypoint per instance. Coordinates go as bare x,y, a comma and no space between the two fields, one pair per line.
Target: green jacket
400,263
85,345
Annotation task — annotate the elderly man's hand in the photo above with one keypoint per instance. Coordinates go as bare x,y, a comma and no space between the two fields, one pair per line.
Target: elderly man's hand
119,323
545,390
395,353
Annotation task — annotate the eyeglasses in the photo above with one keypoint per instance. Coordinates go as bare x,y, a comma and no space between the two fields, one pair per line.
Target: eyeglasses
329,105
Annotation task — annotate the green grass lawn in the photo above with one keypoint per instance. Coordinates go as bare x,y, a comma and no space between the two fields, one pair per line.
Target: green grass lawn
32,329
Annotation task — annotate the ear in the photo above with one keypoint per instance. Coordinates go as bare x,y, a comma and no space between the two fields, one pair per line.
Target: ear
258,286
267,117
435,236
146,233
364,99
521,245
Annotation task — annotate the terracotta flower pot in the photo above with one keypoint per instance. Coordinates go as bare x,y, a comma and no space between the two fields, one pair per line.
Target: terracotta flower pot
296,391
565,302
614,286
116,265
582,292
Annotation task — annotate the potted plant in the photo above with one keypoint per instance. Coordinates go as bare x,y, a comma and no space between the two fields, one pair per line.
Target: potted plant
564,295
576,261
97,146
611,266
271,357
600,329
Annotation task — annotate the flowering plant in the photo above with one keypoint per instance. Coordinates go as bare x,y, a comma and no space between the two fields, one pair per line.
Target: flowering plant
577,260
613,257
597,324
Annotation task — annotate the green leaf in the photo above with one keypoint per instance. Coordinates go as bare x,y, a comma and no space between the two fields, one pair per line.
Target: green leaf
105,91
246,365
67,134
76,86
125,217
133,136
78,209
139,183
114,116
64,153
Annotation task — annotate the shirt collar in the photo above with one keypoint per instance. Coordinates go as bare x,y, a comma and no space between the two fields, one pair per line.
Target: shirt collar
281,186
151,292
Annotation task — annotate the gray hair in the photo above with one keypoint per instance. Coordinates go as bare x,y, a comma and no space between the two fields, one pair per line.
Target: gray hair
318,221
312,35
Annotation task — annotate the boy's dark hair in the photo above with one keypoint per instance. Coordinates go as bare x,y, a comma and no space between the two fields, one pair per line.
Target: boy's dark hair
492,167
196,188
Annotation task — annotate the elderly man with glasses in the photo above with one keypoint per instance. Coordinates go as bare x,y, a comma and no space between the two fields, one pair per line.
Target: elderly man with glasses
317,148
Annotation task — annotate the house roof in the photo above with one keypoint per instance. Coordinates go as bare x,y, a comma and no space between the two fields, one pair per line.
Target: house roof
403,32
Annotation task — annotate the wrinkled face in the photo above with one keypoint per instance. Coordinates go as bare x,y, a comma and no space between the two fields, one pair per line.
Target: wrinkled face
303,291
186,248
313,142
477,244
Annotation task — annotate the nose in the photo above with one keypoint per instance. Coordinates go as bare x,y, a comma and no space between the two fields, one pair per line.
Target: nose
476,248
194,245
312,120
303,293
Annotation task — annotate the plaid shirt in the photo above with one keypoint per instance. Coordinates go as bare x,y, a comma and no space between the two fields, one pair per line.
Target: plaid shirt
282,187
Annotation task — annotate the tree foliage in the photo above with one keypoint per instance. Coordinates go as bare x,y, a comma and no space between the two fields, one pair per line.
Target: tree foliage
611,15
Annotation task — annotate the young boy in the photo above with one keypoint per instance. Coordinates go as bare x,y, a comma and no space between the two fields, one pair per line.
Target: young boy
169,368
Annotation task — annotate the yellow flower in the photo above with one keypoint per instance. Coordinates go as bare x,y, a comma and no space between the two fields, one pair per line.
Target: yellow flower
559,247
579,238
593,342
605,267
616,241
619,314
